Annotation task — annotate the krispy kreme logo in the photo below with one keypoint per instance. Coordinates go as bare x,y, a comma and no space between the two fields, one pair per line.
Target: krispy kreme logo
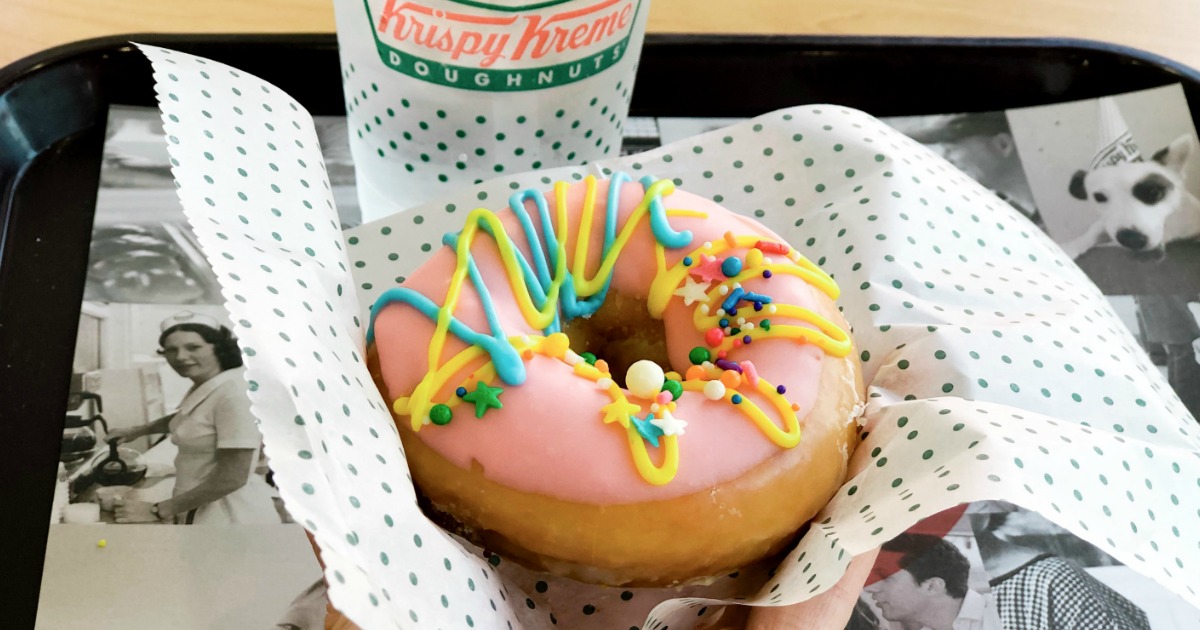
479,46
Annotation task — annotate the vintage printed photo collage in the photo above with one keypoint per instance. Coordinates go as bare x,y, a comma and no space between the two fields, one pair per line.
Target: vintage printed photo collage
1115,181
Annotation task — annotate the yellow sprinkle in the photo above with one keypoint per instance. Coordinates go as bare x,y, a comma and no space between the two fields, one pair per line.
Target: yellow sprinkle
754,258
673,376
556,345
102,543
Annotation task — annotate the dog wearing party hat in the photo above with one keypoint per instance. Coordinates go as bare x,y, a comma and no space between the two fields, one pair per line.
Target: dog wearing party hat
1139,205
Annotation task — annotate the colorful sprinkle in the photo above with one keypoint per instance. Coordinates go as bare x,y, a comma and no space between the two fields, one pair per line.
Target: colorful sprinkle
765,324
771,247
645,379
460,392
731,379
687,261
766,273
731,267
602,366
732,299
714,337
736,399
589,357
730,239
669,424
102,543
699,355
647,429
747,339
754,258
750,372
724,322
664,397
758,306
484,398
695,373
674,387
440,414
714,390
728,365
755,297
781,389
708,270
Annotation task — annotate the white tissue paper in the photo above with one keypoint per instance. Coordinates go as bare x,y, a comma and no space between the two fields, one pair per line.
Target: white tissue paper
996,369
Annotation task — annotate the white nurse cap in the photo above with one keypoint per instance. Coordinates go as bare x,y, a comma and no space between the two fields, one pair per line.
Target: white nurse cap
189,317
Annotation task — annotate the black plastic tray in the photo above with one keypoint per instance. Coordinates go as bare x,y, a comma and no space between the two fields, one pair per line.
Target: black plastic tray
53,108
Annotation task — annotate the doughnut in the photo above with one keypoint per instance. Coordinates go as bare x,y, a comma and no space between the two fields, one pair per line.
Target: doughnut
619,382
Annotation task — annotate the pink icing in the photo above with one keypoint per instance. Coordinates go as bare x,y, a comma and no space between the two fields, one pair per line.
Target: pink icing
549,438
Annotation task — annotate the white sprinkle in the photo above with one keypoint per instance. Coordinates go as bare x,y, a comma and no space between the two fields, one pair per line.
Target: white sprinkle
741,321
737,285
771,308
426,420
654,407
604,383
714,390
748,326
723,290
704,309
707,244
767,260
707,365
728,330
571,358
720,312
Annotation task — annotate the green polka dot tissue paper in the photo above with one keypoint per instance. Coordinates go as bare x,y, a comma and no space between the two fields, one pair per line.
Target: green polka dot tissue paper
995,369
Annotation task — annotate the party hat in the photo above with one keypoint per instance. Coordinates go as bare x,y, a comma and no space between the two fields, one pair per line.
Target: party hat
1114,143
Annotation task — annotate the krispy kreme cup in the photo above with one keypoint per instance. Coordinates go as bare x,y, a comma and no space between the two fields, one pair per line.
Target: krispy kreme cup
446,93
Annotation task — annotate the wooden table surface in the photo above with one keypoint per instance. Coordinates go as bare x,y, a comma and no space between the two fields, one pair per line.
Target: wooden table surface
1170,28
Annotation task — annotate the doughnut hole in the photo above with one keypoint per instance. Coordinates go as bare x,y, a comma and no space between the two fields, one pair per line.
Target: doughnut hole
621,333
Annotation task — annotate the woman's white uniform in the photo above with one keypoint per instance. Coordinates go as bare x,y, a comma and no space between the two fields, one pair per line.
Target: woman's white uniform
213,415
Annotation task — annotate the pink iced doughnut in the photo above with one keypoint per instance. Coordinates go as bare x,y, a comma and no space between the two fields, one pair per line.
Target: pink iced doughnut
539,453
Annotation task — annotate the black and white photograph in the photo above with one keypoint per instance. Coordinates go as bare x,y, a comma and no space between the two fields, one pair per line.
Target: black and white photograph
1044,578
931,577
142,249
980,145
1116,181
159,428
1167,326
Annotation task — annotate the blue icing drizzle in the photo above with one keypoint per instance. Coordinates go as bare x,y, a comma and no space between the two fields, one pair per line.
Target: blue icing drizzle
537,277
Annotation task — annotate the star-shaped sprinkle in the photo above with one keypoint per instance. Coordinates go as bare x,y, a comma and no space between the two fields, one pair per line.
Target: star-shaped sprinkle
484,398
668,424
648,430
708,269
619,411
692,291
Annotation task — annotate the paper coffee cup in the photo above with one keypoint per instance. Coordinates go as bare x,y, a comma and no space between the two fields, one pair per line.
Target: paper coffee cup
446,93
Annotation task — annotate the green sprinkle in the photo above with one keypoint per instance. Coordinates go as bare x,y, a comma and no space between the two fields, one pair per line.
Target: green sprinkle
589,357
699,355
675,387
440,414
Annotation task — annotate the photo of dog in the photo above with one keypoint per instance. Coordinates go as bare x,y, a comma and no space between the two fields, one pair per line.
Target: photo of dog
1140,206
1116,181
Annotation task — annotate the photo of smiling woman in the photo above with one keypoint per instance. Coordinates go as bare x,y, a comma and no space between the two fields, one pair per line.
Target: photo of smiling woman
213,429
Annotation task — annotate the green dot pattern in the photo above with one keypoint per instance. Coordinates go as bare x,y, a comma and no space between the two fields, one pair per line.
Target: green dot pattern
278,246
965,318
